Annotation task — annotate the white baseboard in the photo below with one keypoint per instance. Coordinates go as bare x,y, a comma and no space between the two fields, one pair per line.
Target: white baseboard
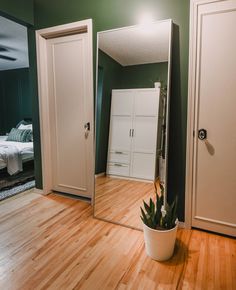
100,174
130,178
38,191
181,225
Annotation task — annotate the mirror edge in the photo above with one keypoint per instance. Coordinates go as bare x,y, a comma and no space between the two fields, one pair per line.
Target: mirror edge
168,111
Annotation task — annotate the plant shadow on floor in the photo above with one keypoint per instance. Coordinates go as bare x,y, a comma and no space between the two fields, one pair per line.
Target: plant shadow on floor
180,255
168,274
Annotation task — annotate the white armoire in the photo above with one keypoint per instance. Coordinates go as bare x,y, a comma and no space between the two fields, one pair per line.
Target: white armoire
132,149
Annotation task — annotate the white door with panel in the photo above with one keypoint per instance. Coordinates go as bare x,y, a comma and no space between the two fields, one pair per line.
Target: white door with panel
214,166
133,133
71,141
144,147
120,134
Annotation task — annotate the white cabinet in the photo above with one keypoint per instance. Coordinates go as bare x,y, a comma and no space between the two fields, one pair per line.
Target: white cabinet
144,134
146,102
122,103
120,133
132,148
143,166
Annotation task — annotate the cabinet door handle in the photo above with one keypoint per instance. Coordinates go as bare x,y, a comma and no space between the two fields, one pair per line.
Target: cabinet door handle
130,132
118,152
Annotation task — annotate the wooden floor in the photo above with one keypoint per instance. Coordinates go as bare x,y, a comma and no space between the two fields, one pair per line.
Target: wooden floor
119,200
53,242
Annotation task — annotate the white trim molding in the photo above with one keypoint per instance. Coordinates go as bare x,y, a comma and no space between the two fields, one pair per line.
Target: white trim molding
100,174
38,191
41,40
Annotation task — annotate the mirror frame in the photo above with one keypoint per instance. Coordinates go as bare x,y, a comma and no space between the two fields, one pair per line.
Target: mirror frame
167,112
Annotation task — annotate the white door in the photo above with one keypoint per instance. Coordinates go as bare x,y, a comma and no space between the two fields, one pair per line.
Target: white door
146,102
120,133
144,134
121,121
122,103
71,142
214,183
144,137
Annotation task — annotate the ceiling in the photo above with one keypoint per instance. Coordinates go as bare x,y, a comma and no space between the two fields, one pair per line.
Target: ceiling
13,43
142,44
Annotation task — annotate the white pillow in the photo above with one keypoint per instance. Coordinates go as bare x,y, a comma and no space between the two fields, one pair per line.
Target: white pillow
3,138
24,127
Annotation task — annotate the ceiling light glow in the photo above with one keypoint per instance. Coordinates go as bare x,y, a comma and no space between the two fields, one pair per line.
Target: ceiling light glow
146,18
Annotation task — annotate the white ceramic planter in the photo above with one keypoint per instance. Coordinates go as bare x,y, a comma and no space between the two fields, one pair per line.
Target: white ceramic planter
159,245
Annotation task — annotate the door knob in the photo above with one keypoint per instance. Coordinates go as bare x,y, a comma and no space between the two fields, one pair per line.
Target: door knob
87,126
86,129
202,134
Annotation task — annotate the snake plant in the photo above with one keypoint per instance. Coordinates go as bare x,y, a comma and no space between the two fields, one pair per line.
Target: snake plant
156,216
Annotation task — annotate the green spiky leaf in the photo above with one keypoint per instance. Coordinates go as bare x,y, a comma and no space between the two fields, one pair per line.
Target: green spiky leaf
151,214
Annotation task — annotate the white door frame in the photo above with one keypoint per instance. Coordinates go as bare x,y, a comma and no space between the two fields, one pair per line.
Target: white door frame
42,35
191,118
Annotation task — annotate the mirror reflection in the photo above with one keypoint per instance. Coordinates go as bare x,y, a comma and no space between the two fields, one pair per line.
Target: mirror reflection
131,119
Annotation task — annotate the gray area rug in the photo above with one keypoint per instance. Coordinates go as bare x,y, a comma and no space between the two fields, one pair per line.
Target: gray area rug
17,189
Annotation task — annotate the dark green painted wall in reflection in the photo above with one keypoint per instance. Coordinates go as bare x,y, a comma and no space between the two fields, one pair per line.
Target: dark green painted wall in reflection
108,14
111,71
16,101
144,76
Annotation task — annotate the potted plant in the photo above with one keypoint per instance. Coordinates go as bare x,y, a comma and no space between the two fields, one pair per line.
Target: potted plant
160,227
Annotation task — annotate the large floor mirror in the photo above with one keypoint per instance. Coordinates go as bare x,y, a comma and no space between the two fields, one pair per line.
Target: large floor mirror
132,108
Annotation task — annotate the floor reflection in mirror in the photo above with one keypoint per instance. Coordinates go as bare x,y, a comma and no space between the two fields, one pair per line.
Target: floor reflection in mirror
118,200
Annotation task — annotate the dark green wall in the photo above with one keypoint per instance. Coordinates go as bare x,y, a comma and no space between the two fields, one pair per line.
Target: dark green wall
144,76
35,108
100,159
22,10
16,101
111,71
108,14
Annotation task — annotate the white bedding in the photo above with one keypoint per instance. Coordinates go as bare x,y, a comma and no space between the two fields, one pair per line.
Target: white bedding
26,150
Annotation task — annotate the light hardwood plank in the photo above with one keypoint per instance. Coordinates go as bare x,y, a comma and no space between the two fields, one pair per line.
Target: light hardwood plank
119,200
53,242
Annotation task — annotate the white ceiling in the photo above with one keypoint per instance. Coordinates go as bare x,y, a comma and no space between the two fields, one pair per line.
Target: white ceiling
139,44
13,37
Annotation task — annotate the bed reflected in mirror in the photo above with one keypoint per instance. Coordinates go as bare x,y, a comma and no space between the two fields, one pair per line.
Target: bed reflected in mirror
17,159
132,105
